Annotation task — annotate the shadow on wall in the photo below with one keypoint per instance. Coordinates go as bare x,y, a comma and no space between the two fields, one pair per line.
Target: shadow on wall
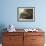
2,26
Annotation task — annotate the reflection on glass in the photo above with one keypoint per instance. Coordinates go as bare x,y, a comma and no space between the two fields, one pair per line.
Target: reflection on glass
26,13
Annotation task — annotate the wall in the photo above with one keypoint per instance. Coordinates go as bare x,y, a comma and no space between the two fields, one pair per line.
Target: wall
9,13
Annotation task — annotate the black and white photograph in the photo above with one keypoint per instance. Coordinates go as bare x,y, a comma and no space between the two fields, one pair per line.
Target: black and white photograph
26,14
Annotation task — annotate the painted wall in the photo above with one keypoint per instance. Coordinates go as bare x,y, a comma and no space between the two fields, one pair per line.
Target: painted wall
8,13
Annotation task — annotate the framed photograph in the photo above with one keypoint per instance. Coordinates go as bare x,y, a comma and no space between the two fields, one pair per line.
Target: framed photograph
26,14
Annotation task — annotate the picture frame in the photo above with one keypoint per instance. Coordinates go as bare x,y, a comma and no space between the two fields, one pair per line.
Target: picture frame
26,14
